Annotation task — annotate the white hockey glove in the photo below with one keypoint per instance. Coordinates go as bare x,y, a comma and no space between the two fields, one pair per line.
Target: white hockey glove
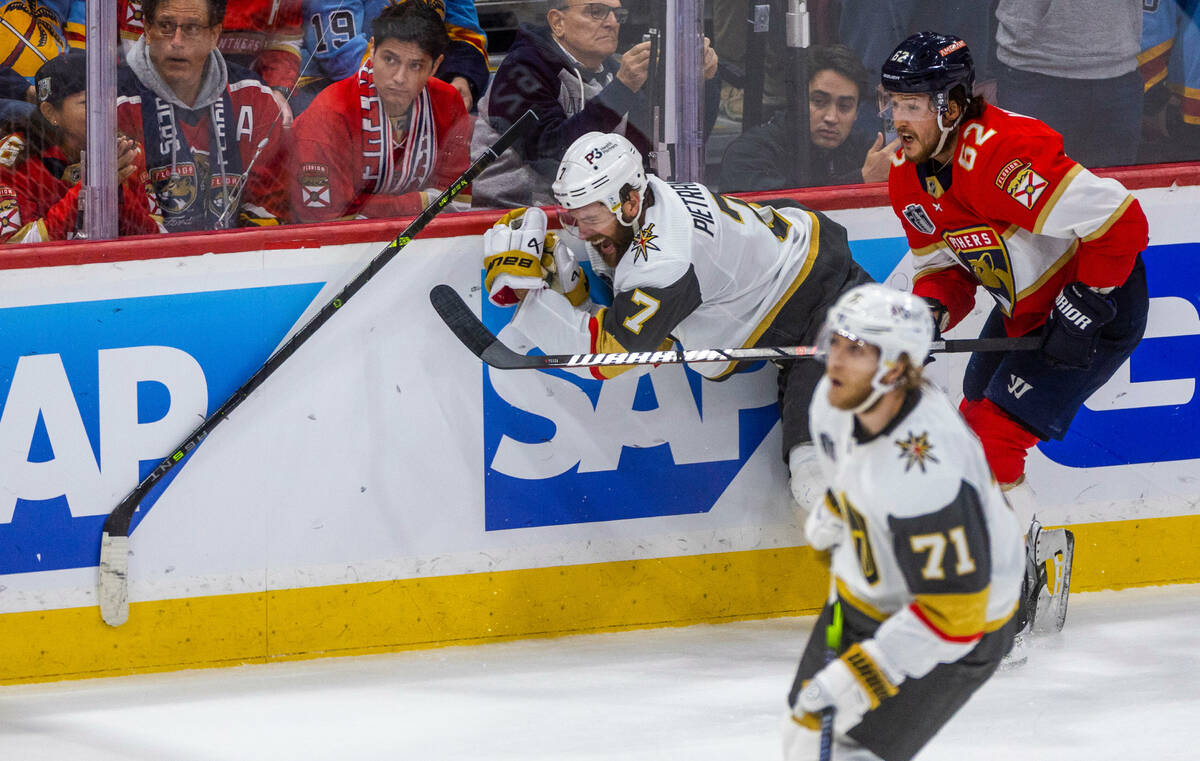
513,251
824,526
569,278
806,480
854,684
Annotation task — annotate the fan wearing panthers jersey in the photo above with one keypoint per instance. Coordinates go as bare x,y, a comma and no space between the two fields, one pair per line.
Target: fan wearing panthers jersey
988,198
926,557
685,266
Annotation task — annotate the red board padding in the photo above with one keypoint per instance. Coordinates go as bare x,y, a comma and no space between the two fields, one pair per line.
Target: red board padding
451,225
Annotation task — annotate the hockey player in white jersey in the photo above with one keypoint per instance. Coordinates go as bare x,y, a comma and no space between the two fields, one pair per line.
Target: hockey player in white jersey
927,558
685,266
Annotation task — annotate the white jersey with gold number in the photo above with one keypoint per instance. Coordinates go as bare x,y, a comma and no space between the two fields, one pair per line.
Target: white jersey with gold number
928,546
706,270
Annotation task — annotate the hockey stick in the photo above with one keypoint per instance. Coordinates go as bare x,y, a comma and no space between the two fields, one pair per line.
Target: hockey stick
833,643
484,344
114,544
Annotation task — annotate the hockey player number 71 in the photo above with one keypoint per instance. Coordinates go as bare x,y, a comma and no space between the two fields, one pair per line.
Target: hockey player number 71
935,545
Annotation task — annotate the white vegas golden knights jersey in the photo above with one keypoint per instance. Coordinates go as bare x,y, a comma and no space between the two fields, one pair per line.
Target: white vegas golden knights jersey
706,270
929,543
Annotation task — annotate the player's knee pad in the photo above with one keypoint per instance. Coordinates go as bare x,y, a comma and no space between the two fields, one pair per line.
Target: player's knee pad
1005,441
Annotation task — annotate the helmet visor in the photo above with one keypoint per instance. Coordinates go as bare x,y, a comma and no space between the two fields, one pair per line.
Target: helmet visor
905,107
566,218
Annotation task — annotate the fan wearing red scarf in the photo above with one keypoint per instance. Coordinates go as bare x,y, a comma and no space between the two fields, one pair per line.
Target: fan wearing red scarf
384,142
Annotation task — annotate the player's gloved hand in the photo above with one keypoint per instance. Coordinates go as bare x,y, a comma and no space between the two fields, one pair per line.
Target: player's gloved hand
512,255
940,314
853,684
823,529
1073,330
569,278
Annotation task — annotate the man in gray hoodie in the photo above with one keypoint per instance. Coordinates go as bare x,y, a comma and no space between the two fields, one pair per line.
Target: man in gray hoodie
213,136
1073,65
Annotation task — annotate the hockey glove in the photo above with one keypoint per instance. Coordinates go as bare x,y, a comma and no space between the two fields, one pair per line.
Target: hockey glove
512,255
853,684
823,529
940,314
1073,330
569,278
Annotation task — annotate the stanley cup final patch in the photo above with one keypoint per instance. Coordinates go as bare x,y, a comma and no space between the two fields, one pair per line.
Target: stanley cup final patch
314,181
918,218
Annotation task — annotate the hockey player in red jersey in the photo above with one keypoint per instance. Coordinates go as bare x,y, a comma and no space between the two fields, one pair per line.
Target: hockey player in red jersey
378,144
988,198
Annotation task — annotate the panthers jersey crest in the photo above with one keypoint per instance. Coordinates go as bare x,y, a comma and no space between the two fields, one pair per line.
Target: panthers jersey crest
983,251
175,187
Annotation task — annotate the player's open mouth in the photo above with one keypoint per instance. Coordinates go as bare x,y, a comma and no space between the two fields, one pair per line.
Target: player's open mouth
605,246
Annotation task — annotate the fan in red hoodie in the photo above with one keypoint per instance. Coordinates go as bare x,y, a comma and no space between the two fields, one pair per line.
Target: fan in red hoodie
40,164
988,198
384,142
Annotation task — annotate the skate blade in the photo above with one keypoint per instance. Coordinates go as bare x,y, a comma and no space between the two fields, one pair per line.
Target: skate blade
1055,549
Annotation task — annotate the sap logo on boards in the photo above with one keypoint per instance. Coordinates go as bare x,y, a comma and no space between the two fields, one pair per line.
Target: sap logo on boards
96,393
560,449
1149,411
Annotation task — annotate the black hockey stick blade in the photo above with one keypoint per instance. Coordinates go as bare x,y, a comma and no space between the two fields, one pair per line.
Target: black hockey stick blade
484,344
114,543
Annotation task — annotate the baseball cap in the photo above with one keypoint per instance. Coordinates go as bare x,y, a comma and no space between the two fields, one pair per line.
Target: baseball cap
63,75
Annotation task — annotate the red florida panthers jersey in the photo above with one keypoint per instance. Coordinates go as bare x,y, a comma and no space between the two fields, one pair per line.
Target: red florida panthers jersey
1018,217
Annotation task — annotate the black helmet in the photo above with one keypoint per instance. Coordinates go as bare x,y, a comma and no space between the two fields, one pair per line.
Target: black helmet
930,62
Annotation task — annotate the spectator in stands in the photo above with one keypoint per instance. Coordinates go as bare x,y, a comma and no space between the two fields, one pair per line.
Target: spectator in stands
214,143
40,163
261,35
760,159
385,142
567,73
30,34
1073,65
335,42
1170,67
16,96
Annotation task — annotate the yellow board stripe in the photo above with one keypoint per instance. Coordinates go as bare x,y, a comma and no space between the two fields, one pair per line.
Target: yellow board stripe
376,617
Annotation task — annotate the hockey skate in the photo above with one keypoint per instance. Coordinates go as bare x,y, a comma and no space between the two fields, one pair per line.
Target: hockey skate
1053,553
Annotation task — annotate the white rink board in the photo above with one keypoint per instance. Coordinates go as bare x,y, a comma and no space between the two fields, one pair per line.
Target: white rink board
382,451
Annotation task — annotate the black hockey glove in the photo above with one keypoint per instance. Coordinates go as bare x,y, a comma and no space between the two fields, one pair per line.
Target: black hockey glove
1073,329
941,320
940,314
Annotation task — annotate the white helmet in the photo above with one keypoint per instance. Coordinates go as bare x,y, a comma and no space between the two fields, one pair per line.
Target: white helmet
895,322
595,168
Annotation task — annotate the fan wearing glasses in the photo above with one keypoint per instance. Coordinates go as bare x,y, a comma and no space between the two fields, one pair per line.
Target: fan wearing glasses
212,133
568,72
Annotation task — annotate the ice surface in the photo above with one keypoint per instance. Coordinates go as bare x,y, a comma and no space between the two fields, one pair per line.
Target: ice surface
1120,682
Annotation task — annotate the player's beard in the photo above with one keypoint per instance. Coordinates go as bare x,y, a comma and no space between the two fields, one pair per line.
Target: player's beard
846,396
612,248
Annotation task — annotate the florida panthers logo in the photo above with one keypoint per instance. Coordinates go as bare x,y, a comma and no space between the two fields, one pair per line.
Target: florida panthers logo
175,187
984,252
